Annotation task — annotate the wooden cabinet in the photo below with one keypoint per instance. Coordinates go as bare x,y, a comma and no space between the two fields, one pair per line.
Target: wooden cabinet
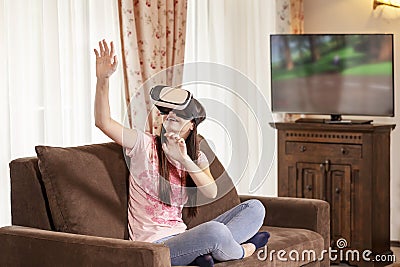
348,166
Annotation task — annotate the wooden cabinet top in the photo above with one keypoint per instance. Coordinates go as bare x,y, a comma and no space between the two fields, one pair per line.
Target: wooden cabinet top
333,127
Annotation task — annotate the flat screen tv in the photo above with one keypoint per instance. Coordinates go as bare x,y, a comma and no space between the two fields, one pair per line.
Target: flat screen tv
332,74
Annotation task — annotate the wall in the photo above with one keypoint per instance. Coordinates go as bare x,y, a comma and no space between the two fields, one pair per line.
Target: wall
355,16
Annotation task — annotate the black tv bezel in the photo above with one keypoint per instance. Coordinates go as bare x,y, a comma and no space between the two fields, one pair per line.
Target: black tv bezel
273,109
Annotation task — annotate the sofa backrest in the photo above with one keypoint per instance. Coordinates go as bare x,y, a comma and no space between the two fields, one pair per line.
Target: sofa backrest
84,190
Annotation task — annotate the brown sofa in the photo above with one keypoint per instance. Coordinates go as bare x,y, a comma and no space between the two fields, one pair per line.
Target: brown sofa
69,208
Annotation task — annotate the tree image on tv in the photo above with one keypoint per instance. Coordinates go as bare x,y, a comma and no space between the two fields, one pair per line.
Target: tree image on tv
332,74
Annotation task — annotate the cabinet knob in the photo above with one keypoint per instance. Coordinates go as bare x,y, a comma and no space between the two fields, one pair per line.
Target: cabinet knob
344,151
309,187
303,148
337,190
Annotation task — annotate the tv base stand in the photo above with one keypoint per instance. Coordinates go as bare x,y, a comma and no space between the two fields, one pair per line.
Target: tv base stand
326,121
348,122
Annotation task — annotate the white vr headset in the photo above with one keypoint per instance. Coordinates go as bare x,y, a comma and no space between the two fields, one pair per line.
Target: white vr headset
178,100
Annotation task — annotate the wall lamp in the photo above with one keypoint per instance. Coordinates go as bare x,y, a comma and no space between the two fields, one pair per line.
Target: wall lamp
392,3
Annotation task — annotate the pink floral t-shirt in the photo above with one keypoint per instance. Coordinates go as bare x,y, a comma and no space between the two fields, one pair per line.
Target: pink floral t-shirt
149,219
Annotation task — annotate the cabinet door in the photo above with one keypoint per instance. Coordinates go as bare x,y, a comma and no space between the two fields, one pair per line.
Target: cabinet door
310,180
339,197
330,182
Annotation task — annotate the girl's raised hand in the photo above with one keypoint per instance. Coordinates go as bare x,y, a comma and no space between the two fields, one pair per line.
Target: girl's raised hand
106,60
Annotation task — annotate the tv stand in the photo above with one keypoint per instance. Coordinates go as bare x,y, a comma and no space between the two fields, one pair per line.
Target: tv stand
349,167
335,119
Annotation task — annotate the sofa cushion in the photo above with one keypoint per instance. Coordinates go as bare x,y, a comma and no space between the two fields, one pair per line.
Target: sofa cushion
227,196
29,207
86,188
291,240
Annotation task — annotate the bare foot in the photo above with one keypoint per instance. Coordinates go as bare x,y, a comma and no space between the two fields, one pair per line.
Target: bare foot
249,249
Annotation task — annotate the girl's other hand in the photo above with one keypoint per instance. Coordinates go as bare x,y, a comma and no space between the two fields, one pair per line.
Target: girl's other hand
106,61
175,147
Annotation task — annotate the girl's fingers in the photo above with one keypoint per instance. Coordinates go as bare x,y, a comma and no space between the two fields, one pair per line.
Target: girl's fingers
112,48
168,135
106,48
173,137
97,53
101,48
170,138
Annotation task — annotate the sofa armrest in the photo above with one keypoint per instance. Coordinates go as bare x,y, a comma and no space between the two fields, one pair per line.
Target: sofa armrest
311,214
23,246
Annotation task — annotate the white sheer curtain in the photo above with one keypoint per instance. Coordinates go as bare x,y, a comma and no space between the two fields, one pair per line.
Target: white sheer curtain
235,33
48,77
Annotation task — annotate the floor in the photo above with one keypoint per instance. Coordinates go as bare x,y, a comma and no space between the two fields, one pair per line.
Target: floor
396,252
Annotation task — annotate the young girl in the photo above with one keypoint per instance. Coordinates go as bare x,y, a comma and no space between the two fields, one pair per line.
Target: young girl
164,171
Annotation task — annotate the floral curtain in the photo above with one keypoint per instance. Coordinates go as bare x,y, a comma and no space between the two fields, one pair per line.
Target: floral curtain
297,16
290,16
153,39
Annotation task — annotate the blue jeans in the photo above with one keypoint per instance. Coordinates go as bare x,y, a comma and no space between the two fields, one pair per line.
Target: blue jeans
220,237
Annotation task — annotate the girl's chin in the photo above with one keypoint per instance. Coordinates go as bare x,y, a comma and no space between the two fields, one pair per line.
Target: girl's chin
171,129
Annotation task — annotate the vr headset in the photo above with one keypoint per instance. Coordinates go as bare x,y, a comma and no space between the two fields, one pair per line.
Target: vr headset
179,101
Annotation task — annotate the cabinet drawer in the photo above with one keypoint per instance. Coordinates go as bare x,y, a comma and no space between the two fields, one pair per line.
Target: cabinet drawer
326,150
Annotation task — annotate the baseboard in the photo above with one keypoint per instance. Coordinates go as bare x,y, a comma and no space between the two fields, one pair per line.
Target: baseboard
395,244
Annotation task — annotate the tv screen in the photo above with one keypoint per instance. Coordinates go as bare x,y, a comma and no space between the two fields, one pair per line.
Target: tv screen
343,74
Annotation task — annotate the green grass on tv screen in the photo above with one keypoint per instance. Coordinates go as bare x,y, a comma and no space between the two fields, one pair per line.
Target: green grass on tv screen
348,62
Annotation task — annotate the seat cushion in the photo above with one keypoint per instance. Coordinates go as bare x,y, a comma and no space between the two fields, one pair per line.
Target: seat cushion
86,188
291,240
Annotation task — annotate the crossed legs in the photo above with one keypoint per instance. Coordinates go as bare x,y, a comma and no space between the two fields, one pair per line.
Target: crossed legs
221,238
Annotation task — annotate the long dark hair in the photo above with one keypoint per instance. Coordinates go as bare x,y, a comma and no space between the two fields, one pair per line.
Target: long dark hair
164,186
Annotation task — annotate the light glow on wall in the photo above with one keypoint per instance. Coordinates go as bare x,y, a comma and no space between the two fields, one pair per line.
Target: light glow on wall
392,3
